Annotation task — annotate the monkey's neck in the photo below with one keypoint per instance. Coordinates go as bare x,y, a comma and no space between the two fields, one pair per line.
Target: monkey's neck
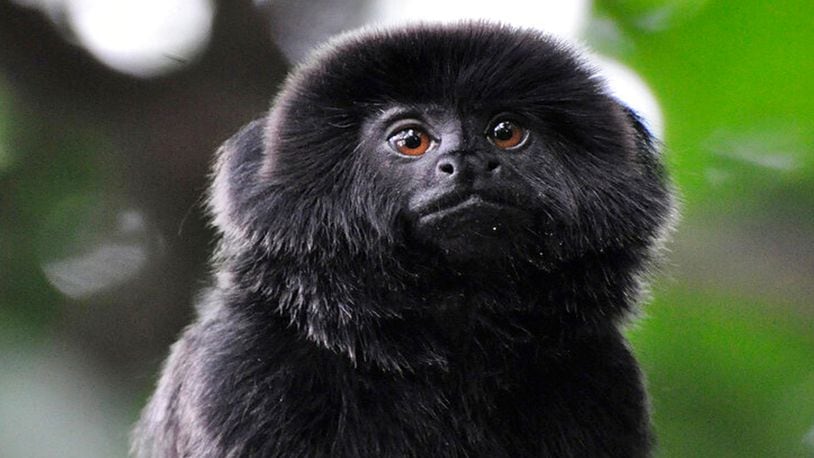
408,318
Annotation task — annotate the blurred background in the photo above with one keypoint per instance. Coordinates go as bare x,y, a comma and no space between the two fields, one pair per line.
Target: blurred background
110,111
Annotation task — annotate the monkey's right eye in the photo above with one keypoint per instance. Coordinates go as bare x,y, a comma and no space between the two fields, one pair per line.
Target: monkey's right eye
506,134
411,141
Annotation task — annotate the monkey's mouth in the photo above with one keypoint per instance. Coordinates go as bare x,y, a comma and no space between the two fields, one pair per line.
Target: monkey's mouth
472,215
449,207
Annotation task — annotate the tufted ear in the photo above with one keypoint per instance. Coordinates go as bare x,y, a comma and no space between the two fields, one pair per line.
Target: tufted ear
646,144
234,176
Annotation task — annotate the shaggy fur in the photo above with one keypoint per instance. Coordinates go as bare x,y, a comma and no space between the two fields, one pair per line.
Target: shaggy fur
337,327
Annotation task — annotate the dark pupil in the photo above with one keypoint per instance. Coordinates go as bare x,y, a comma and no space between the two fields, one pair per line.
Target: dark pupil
411,139
504,131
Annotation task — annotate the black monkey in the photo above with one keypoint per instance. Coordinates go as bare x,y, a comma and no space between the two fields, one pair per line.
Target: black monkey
427,249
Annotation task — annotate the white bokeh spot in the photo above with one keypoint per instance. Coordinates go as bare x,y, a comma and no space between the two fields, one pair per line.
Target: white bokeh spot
626,85
559,18
142,37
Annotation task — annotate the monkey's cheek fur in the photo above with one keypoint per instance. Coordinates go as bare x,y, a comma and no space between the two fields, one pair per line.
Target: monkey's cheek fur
474,228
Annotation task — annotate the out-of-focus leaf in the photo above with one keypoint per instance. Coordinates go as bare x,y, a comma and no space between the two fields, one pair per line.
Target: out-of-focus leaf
726,379
730,376
735,83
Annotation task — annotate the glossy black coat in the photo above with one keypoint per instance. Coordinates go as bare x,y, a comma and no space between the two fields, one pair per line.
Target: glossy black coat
360,309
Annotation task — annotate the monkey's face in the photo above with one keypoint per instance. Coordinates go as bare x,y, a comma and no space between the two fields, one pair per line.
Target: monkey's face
502,183
457,176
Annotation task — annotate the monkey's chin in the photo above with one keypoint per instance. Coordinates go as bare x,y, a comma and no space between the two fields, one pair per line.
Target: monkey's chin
474,229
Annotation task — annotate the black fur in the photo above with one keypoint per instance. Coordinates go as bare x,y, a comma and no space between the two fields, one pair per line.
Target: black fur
342,325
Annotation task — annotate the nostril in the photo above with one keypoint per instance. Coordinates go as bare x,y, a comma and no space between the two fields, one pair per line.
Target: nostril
491,166
447,168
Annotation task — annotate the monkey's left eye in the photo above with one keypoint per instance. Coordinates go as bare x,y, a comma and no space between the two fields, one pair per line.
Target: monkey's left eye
506,134
411,141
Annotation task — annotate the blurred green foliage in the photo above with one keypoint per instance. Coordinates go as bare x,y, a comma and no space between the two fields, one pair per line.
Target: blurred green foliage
45,175
731,375
726,378
735,82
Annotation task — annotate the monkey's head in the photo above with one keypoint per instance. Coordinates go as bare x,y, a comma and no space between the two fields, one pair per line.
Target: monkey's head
481,141
462,145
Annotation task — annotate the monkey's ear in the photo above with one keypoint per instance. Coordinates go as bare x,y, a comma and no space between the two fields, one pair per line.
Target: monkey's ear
235,175
646,143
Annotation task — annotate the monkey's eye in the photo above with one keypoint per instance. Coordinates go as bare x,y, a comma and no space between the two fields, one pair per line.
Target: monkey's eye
506,134
411,141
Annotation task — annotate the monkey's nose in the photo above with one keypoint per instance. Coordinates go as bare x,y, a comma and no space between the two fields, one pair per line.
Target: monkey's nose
446,167
463,166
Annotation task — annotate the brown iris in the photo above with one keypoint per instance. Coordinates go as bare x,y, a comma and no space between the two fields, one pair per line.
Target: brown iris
411,141
506,134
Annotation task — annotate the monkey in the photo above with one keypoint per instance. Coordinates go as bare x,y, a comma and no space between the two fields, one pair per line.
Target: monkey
429,247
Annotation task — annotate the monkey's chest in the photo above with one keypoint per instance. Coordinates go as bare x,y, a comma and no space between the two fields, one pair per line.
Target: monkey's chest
448,418
580,403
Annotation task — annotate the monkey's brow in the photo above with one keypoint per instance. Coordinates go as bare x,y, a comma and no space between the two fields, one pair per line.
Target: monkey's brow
392,113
